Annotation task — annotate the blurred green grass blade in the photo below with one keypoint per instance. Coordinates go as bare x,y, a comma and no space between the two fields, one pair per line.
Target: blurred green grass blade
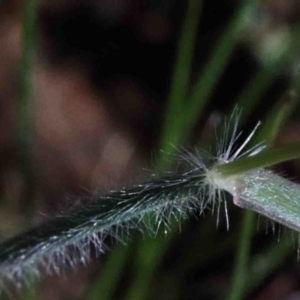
212,72
266,262
29,294
216,65
167,287
25,106
295,85
171,138
29,39
276,118
175,110
148,256
209,252
268,133
239,276
258,85
25,293
261,81
103,286
263,264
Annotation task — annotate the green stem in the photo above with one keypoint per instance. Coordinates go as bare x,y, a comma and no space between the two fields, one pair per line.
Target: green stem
264,159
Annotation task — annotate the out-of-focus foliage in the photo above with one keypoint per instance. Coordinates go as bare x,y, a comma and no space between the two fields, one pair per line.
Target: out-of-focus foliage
101,81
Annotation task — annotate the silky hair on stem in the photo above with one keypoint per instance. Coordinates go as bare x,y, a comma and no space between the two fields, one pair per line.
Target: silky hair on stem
67,239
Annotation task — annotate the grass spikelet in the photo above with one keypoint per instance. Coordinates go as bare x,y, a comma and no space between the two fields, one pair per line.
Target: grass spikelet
67,240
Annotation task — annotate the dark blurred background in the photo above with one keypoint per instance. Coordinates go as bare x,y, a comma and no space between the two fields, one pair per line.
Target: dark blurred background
101,81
